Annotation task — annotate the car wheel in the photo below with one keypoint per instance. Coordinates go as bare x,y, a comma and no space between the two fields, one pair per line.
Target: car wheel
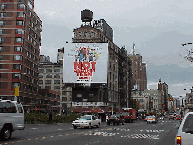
90,126
75,127
6,133
98,125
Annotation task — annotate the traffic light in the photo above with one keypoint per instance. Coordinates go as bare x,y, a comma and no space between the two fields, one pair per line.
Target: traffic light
134,104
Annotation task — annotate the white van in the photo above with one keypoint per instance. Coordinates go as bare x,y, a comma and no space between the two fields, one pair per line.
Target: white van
11,118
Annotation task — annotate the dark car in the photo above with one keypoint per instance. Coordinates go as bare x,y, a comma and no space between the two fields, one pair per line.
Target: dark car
178,117
116,119
171,117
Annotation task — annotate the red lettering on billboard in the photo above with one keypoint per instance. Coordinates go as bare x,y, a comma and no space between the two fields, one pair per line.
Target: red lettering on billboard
84,70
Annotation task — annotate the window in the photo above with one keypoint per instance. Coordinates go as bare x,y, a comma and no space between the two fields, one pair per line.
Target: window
40,76
56,76
1,40
3,15
48,76
41,70
32,24
2,23
17,57
19,107
35,35
57,70
19,40
16,76
48,70
48,87
1,48
48,82
34,42
18,49
21,6
17,66
2,32
56,81
20,23
36,21
40,82
56,87
7,107
64,93
19,31
30,4
64,98
3,6
20,14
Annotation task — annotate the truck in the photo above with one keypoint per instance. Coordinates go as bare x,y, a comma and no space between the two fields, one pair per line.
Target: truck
11,118
87,121
129,114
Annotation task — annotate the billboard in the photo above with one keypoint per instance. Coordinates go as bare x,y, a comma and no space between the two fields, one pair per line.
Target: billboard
85,63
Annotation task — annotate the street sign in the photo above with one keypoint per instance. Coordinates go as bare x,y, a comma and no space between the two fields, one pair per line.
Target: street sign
68,110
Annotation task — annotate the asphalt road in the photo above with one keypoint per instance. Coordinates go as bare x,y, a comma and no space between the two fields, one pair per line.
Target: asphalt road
137,133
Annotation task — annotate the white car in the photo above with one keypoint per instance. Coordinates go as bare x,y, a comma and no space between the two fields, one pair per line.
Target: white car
11,118
185,131
87,121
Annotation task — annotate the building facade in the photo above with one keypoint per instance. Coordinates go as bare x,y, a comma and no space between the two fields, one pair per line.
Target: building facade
139,77
164,87
116,91
20,41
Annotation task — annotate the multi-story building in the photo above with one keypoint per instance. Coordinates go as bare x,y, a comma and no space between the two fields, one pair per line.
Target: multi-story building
149,100
20,39
117,89
139,77
164,87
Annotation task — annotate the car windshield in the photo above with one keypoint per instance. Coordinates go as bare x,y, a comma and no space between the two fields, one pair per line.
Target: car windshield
151,117
114,116
125,113
188,124
86,117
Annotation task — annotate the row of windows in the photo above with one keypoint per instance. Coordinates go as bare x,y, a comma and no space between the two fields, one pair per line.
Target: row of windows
49,76
32,40
49,81
49,70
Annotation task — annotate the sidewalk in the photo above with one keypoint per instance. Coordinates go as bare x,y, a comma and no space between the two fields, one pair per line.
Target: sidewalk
67,123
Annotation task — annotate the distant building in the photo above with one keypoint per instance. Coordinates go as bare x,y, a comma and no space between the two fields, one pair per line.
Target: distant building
164,87
60,55
139,77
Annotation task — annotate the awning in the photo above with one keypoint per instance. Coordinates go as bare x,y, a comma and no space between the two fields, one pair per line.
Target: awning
92,110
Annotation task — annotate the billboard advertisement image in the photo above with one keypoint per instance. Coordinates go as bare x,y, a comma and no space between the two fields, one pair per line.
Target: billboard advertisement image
85,63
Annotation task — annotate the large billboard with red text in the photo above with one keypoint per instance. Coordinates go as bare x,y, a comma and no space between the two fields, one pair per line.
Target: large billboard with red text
85,63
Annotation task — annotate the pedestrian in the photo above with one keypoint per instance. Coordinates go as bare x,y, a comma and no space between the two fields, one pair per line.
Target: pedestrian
106,117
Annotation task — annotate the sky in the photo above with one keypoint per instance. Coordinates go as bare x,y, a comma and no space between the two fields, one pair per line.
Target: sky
157,27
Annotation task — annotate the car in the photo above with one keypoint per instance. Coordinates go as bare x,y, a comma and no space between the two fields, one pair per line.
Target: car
11,118
87,121
171,117
115,119
184,134
162,118
178,117
152,119
145,118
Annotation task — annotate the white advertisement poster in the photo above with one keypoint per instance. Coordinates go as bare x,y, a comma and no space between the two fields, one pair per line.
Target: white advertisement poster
85,63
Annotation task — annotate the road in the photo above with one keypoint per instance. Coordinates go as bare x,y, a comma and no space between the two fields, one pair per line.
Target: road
137,133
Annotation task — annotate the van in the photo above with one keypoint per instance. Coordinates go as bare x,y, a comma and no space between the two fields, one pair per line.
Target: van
11,118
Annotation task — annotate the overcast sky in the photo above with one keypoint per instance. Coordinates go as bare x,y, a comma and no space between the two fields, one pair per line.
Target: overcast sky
157,27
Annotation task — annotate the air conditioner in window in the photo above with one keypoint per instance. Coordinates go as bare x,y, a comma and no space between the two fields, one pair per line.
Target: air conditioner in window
3,7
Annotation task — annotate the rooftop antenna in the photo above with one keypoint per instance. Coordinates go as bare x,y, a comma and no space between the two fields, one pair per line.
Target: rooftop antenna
133,48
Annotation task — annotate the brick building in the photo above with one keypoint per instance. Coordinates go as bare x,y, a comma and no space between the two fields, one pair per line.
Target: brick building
20,39
116,92
139,77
